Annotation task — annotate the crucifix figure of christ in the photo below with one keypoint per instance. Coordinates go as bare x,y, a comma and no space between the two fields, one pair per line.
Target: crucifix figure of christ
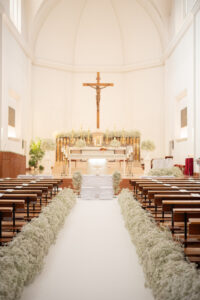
98,86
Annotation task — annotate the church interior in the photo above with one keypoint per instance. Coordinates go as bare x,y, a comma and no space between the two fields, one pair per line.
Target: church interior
99,149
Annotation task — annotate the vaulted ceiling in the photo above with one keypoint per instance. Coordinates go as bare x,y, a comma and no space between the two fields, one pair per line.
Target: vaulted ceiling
158,10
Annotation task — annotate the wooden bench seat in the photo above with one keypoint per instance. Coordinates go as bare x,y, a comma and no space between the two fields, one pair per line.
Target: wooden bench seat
29,199
183,214
5,212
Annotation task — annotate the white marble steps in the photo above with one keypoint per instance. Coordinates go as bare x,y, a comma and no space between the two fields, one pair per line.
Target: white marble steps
97,187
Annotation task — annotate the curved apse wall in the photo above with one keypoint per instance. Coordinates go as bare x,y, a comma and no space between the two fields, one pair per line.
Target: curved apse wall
115,37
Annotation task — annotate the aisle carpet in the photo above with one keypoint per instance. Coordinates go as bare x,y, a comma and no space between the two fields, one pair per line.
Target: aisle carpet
93,259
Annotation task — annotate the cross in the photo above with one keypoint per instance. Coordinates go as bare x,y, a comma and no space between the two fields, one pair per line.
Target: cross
98,86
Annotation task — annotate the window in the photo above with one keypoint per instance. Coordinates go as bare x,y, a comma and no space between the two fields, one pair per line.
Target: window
15,13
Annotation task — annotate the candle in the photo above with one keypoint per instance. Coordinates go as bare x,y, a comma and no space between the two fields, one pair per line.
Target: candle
81,132
114,130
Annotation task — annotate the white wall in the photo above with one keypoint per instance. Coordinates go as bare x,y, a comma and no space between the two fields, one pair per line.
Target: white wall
182,75
197,88
16,85
179,77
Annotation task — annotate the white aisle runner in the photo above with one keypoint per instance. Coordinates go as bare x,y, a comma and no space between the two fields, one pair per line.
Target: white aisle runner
97,187
93,259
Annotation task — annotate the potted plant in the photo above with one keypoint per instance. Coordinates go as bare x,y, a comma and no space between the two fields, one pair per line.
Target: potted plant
41,168
36,153
32,164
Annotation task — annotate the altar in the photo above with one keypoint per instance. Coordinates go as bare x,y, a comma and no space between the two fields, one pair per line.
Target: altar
97,156
108,151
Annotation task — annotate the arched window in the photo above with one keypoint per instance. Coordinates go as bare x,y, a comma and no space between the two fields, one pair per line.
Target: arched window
15,13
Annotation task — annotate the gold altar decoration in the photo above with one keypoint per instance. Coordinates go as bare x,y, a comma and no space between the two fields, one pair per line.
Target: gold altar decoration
103,139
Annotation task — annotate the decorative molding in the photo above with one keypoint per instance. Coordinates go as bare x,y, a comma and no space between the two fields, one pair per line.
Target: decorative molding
14,139
181,140
120,30
196,7
77,30
40,18
160,24
181,95
40,62
178,37
17,36
13,94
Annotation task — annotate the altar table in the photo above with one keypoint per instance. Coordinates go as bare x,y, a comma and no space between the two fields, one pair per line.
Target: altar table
108,153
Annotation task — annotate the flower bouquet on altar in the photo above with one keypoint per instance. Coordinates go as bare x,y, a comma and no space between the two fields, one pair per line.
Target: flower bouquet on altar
80,143
115,143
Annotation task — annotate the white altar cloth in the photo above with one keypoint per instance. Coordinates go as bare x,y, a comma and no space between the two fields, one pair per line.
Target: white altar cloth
97,187
116,154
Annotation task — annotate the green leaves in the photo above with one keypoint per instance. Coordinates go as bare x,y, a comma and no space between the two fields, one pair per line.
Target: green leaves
36,153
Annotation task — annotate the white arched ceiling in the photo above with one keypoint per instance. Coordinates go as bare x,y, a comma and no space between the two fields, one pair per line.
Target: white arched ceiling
159,10
98,40
57,36
93,32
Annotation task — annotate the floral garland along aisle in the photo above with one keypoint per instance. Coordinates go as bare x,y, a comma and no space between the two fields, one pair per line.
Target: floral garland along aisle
22,259
166,271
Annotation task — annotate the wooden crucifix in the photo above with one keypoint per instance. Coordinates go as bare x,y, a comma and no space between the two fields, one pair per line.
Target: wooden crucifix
98,86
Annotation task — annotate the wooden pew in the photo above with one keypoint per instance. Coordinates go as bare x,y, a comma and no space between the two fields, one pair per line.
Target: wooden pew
16,197
159,198
29,198
162,181
15,204
183,215
44,189
169,205
194,225
5,212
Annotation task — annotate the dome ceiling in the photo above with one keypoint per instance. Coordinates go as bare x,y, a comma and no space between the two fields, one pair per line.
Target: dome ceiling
99,32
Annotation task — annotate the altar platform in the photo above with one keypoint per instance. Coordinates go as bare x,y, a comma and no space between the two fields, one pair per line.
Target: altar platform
132,169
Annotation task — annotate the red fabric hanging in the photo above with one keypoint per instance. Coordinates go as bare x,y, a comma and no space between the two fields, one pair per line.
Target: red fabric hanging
189,166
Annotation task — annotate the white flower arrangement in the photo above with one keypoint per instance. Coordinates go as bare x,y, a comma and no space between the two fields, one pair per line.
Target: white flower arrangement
115,143
167,273
22,259
116,181
77,180
148,145
48,145
110,134
80,143
174,171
